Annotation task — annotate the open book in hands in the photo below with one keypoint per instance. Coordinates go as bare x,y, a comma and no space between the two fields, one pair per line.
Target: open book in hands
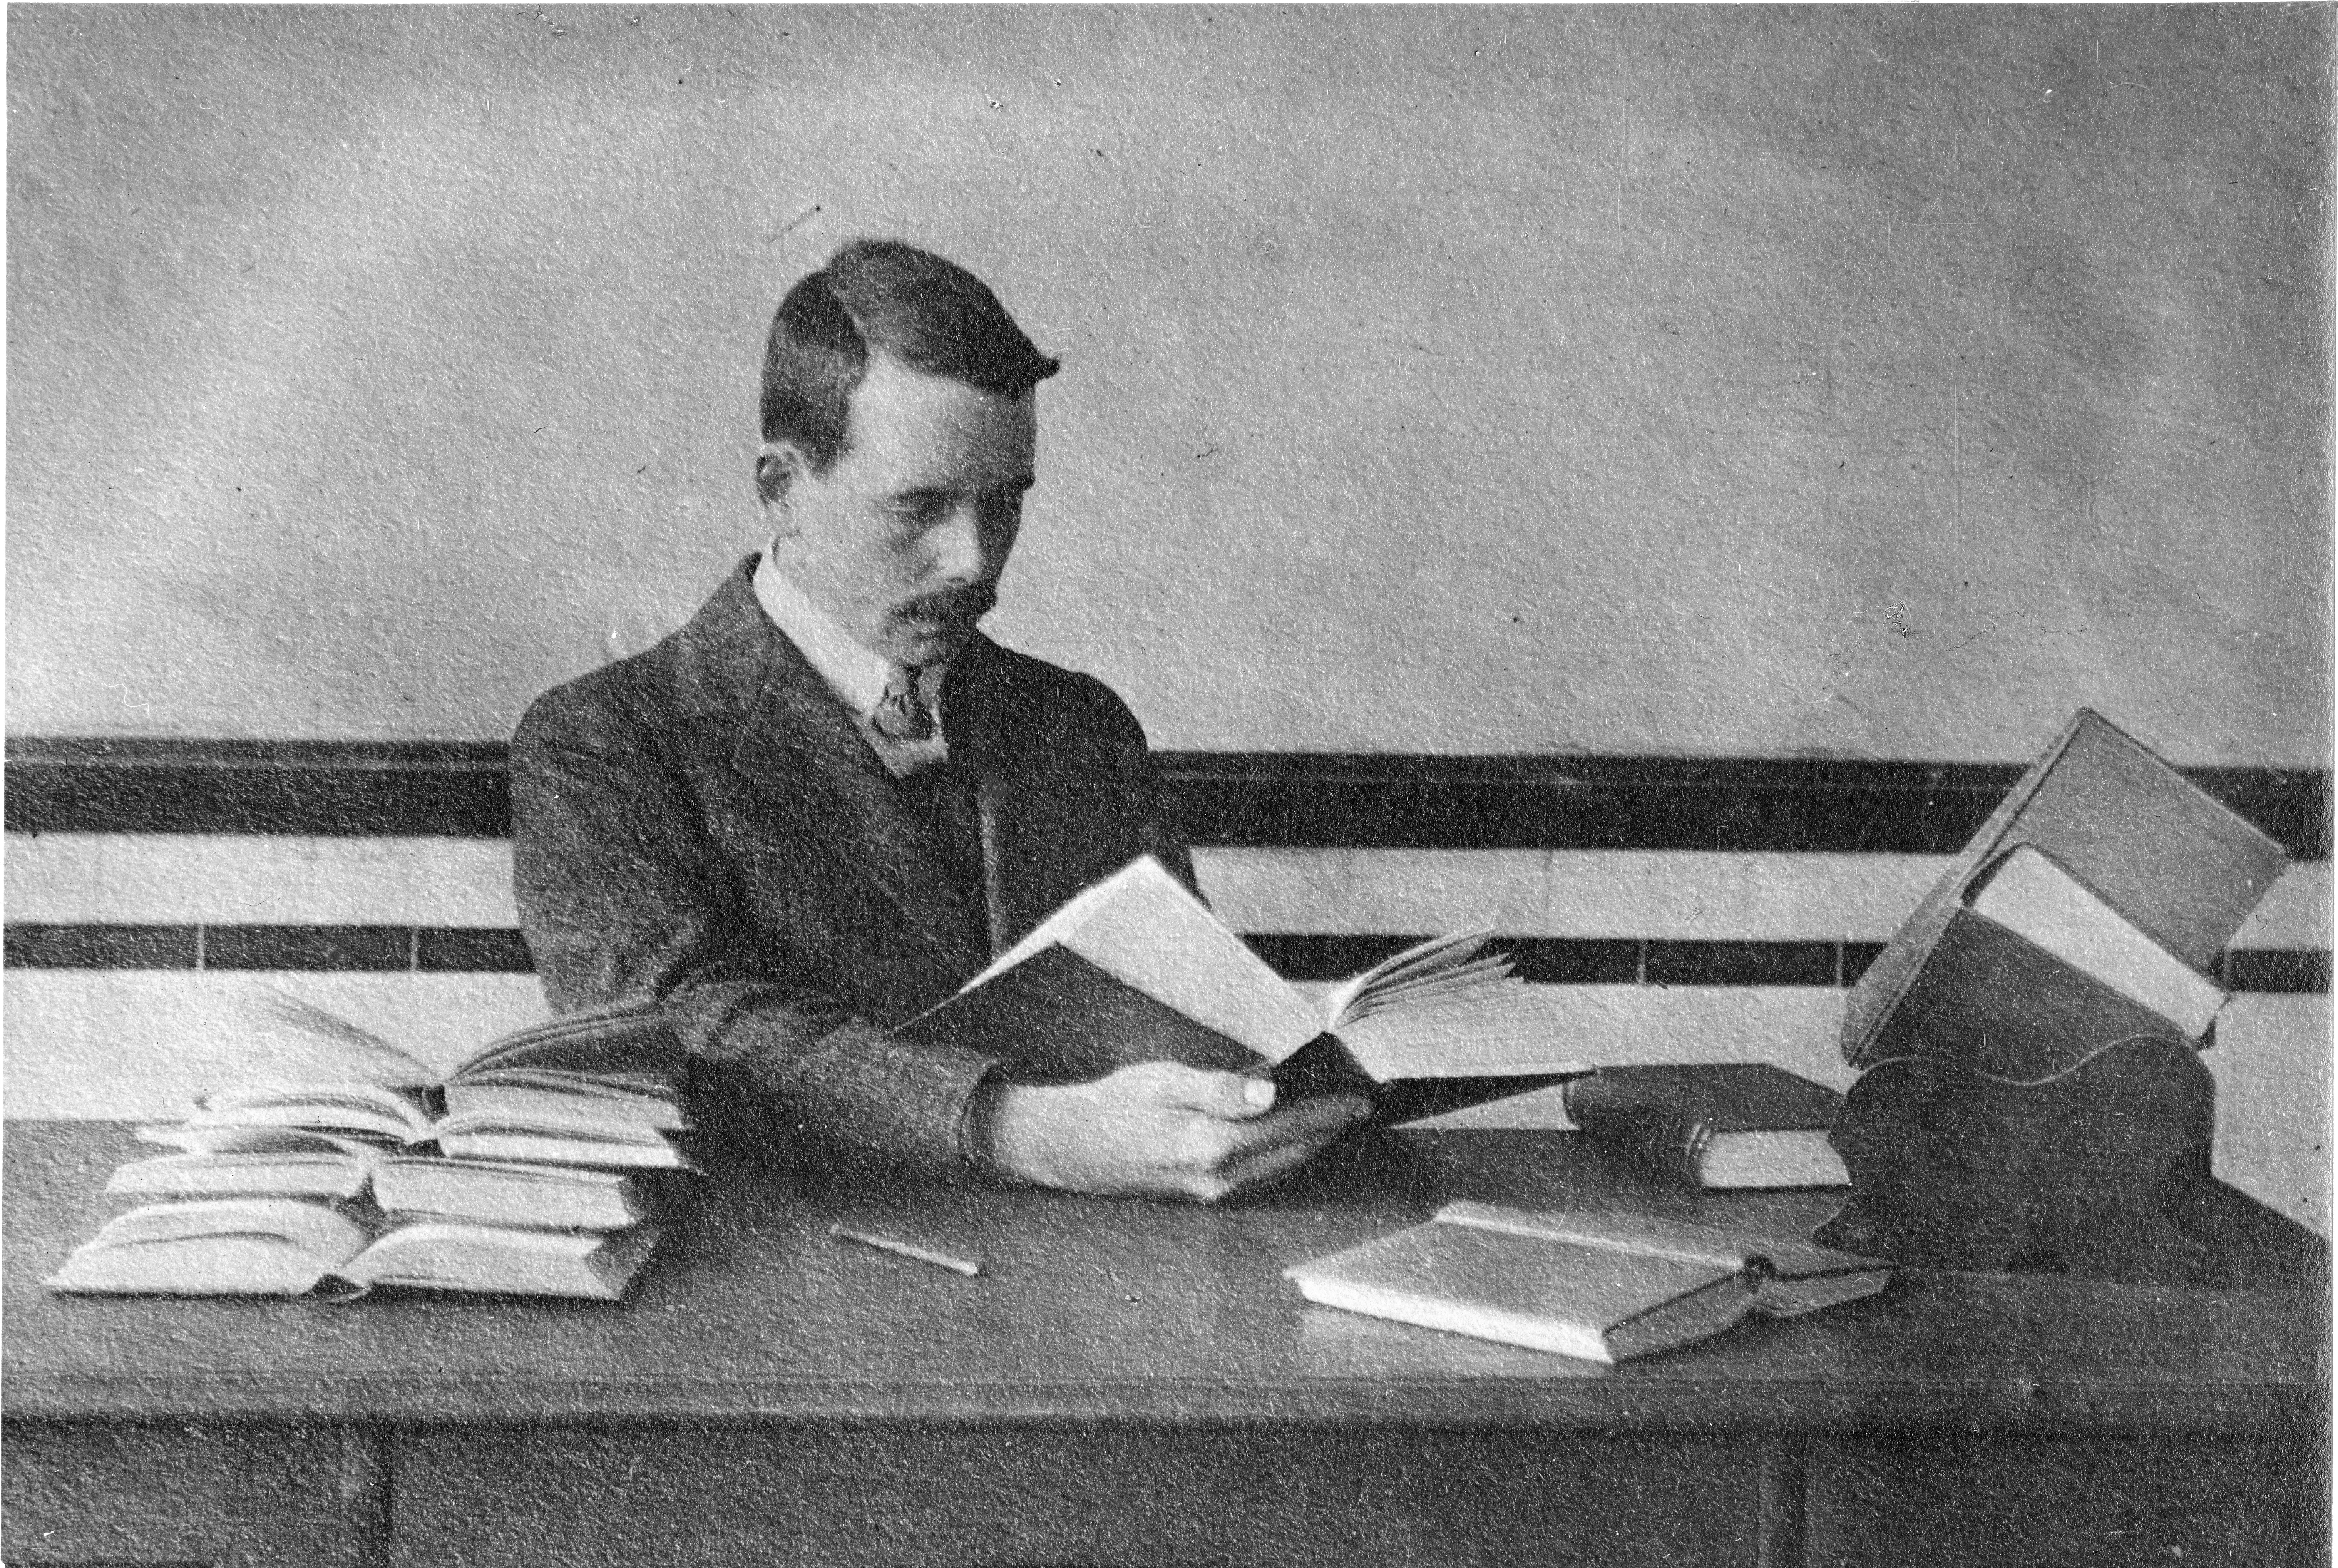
1136,968
594,1089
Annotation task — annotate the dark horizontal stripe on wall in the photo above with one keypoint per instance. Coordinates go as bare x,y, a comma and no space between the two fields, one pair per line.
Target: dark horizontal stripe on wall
326,788
2296,972
1542,960
1579,961
442,949
1744,962
1257,800
366,947
102,946
1306,801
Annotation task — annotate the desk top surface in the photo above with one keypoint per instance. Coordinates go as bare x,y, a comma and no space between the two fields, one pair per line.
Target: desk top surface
1119,1310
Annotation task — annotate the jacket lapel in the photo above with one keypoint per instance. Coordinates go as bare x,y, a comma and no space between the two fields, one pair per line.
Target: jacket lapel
1025,781
816,780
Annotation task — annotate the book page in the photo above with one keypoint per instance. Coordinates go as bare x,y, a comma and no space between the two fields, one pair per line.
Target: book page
1422,962
309,1227
537,1108
397,1113
1073,915
619,1041
443,1255
1143,927
1459,1014
232,1139
1163,941
214,1265
314,1045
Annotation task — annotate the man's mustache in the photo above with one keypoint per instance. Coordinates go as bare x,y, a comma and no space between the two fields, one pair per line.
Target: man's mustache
969,603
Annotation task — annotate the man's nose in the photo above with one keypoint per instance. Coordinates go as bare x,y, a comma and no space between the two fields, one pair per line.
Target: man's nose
961,550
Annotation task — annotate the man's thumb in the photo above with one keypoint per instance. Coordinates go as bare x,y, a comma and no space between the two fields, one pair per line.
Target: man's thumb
1226,1095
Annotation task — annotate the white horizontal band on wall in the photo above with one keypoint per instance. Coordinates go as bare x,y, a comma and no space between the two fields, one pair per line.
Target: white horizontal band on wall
223,879
101,1044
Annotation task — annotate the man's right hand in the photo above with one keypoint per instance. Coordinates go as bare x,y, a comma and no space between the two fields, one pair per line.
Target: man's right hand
1160,1130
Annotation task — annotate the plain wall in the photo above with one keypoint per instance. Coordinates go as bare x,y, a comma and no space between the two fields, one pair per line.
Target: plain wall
1845,382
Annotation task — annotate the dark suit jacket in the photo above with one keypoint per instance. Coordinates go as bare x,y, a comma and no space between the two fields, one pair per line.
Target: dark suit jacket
703,825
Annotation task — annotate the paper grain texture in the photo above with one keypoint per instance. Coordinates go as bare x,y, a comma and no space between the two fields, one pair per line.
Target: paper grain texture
1867,383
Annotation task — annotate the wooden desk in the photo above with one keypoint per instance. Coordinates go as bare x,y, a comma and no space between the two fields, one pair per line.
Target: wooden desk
1133,1383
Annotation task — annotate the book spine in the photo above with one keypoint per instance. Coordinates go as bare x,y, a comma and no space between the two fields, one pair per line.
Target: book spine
1686,1158
1664,1140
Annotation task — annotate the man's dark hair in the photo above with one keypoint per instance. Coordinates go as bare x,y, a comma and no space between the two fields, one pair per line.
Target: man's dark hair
884,297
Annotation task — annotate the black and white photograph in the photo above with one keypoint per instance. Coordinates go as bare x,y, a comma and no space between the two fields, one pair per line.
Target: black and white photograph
896,786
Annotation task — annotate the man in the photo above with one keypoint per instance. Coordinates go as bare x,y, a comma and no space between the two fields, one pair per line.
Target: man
823,804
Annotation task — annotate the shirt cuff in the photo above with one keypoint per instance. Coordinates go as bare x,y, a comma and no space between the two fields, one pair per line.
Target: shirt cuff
975,1133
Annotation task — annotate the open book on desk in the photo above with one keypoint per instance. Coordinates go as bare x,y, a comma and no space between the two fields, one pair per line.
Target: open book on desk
1136,968
296,1162
534,1167
284,1247
595,1088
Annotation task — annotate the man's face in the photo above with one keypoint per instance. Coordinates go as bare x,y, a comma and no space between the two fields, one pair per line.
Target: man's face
904,537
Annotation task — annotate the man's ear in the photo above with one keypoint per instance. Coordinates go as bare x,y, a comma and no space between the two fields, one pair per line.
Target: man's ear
778,468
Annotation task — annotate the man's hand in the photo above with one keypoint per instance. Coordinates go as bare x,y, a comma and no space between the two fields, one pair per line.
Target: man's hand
1160,1130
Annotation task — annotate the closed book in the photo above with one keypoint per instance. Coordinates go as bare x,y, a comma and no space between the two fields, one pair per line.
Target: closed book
188,1176
2000,1001
2036,897
448,1255
2170,861
517,1193
1727,1125
1137,969
1600,1287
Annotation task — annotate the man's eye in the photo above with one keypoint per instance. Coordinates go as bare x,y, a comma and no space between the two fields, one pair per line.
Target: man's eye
918,510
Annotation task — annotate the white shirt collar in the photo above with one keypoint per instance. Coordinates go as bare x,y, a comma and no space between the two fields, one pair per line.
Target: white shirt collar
853,672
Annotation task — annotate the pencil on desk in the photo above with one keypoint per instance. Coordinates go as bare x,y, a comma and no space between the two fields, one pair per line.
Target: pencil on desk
970,1268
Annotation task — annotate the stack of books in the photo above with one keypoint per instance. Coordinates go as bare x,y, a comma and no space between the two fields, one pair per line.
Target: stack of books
542,1165
2029,1095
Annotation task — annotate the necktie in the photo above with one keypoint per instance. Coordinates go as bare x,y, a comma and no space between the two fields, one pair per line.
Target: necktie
902,714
